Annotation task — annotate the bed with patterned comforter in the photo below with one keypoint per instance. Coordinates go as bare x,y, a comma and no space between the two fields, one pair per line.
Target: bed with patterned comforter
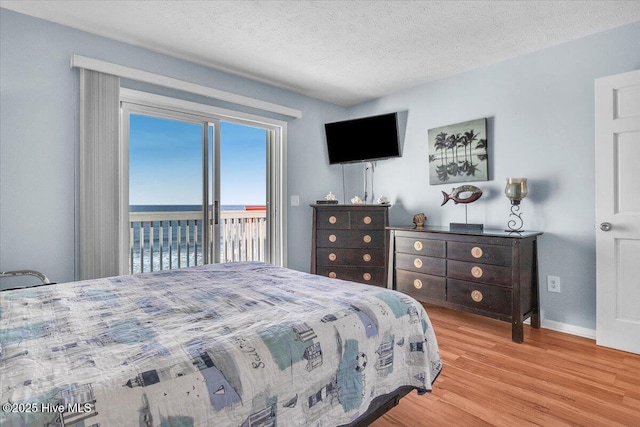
238,344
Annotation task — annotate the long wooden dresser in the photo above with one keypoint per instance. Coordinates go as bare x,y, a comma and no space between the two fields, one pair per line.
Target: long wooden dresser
492,273
349,242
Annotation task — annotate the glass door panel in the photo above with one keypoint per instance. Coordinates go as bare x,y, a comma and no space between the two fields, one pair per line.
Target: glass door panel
166,192
243,193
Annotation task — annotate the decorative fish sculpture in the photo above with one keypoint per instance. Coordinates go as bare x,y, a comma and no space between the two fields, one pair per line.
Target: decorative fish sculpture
456,192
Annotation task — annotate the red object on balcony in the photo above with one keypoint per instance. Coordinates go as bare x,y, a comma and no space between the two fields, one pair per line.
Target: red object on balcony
255,208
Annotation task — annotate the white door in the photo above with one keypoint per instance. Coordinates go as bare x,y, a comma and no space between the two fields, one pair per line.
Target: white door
617,140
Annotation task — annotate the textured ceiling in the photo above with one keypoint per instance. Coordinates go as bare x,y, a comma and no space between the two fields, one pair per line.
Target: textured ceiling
345,52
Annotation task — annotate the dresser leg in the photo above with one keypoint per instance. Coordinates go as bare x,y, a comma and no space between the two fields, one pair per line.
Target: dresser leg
517,331
535,319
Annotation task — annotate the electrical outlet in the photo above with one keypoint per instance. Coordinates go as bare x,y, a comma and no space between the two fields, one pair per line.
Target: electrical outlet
553,284
295,200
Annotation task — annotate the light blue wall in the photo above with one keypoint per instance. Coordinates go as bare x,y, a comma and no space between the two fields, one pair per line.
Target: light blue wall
540,110
541,126
39,137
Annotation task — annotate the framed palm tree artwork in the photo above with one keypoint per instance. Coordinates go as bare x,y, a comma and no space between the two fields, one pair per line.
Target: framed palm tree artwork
458,153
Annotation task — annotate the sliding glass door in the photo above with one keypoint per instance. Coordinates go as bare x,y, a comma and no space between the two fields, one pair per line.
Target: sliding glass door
197,189
243,192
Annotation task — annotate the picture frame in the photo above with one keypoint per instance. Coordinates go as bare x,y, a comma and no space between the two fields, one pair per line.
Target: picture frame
458,153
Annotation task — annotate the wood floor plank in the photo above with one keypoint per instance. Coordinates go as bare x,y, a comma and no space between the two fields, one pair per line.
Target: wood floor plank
552,379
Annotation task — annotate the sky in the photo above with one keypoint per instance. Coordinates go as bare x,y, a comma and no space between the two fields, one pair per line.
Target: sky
165,163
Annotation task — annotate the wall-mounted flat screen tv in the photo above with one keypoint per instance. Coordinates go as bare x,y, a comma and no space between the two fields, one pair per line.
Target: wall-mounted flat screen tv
363,139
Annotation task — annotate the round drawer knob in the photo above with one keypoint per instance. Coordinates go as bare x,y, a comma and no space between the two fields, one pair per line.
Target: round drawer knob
417,263
476,272
332,257
476,252
366,257
366,220
366,276
367,238
417,284
332,238
476,296
417,245
333,274
333,219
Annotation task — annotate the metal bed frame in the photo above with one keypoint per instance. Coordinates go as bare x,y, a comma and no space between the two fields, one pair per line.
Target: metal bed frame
16,273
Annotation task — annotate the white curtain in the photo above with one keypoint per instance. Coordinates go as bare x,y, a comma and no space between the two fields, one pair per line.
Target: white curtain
100,185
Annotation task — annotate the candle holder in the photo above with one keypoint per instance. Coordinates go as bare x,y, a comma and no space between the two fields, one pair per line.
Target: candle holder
516,190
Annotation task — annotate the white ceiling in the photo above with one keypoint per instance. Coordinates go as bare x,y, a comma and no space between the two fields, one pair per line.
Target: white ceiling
345,52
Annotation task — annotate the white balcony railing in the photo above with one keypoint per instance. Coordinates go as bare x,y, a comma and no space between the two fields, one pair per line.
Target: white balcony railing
167,240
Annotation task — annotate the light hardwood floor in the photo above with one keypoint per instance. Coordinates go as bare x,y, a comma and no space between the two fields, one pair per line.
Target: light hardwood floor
552,379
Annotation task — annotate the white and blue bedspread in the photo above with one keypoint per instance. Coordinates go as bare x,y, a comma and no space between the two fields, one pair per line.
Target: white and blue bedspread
239,344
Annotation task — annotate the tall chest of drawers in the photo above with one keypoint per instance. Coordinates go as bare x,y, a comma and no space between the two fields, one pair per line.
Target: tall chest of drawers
349,242
493,273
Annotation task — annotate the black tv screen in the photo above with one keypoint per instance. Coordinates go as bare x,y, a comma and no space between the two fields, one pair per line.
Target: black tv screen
363,139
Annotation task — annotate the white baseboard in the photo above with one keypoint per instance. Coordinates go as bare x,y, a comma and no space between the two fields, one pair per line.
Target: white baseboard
566,328
569,329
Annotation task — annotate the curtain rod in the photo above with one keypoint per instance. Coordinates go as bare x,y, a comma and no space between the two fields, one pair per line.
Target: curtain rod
79,61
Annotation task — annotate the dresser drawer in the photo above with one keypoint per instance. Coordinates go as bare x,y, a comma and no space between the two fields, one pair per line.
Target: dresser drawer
357,257
421,264
364,219
479,252
426,247
476,272
332,220
422,287
478,296
368,275
350,238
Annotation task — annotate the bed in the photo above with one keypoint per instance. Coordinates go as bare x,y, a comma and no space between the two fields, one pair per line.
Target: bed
240,344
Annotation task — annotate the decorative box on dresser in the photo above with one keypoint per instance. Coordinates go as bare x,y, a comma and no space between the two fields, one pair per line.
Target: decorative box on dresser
492,273
349,242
